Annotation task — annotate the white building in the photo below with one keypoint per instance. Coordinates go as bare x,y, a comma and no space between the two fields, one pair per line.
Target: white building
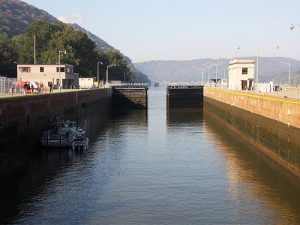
57,74
86,82
241,74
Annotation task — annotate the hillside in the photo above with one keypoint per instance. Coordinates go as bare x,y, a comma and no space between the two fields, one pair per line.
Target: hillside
191,70
15,17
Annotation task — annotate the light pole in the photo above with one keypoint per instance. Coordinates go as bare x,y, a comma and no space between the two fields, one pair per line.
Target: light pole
236,52
64,52
224,78
289,65
257,68
107,67
257,64
216,65
98,78
293,25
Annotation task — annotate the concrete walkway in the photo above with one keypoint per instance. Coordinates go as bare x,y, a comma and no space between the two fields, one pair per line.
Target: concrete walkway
11,95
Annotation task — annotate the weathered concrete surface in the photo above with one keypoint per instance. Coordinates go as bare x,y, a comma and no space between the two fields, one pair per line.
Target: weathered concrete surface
130,97
270,124
20,114
284,110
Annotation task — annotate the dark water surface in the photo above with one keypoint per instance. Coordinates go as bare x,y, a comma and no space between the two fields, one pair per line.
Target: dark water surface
160,167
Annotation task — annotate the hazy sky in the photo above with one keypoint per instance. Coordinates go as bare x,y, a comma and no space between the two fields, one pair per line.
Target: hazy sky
186,29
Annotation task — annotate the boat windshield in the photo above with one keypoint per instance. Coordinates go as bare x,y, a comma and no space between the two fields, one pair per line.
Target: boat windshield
67,124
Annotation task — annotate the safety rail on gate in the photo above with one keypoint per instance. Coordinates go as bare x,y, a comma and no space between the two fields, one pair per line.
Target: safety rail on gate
130,85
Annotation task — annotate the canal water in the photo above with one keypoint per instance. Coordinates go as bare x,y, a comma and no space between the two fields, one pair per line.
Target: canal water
155,167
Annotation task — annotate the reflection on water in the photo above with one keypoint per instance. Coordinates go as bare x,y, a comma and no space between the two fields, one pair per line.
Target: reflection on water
185,117
160,167
251,174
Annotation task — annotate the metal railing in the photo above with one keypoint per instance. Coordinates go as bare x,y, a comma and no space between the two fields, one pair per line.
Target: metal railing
133,85
10,86
280,91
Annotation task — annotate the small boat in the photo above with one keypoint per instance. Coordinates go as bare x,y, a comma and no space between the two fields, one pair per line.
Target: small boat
80,142
63,135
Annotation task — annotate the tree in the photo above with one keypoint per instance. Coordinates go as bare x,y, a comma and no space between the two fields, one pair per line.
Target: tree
8,57
81,50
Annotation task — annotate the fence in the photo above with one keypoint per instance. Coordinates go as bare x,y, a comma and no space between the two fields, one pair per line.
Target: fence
10,86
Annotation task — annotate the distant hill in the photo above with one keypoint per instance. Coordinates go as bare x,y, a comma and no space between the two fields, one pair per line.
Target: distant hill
15,16
191,70
98,41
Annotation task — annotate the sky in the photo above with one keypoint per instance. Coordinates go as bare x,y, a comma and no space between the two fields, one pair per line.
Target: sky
147,30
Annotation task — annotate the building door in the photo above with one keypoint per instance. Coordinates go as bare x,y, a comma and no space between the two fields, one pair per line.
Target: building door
66,83
244,85
250,84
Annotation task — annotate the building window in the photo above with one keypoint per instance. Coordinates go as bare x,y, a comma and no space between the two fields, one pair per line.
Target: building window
244,70
25,69
42,69
62,69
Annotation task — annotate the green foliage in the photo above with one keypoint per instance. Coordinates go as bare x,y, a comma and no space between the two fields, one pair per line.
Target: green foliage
81,50
18,21
8,57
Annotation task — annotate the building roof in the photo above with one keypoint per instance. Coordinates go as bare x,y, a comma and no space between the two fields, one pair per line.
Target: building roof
241,61
44,65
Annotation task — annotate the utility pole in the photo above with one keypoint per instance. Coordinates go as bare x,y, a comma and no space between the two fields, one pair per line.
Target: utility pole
257,68
34,50
216,74
98,78
60,81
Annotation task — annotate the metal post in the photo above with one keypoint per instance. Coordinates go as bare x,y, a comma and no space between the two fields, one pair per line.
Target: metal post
224,77
98,72
106,75
208,75
59,70
98,77
289,74
216,74
202,77
257,68
107,67
60,81
34,49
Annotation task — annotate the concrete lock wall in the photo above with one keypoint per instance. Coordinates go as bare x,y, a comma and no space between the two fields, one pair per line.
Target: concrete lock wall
24,118
270,124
